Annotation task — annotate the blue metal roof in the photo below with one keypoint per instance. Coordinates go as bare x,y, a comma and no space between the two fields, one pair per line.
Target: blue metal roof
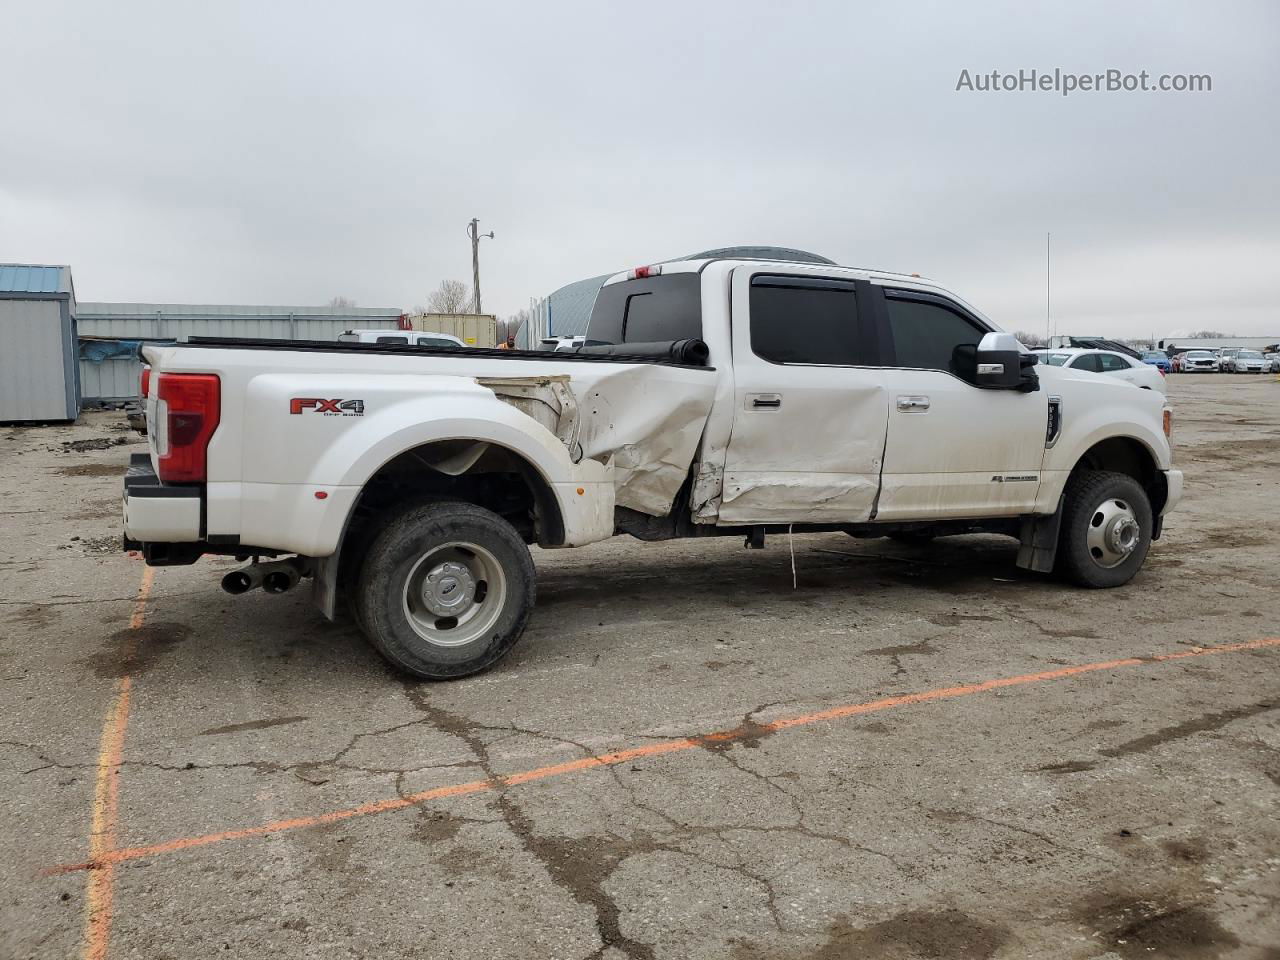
32,278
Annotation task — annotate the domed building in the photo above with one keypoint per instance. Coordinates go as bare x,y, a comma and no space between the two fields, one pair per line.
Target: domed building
569,308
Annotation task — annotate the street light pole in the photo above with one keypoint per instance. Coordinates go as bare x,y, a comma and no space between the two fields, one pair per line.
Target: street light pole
473,231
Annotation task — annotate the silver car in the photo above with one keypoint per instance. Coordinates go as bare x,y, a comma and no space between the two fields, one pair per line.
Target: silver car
1248,361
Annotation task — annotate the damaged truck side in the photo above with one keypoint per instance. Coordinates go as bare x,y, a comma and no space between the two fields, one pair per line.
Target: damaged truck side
713,397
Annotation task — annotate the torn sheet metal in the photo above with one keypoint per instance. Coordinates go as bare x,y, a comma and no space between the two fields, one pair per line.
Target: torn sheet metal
547,399
708,481
646,422
643,422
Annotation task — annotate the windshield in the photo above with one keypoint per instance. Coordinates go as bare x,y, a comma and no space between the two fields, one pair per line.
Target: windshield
1249,355
1199,354
1153,355
1056,359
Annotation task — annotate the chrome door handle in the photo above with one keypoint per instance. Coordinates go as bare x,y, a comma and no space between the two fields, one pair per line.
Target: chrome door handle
913,404
766,401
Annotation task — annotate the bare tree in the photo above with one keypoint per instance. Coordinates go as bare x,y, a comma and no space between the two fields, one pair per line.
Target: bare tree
453,296
1029,339
342,303
1213,335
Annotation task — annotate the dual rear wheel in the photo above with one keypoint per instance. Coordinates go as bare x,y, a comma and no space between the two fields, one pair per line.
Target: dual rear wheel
445,590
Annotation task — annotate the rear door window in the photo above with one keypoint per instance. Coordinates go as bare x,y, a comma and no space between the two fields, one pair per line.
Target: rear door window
1086,361
392,340
648,310
806,320
1111,362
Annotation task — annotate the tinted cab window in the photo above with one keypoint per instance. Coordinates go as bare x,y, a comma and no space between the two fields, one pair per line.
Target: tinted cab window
648,310
930,336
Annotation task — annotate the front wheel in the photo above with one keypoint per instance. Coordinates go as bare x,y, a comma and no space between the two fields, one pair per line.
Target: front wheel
445,589
1106,529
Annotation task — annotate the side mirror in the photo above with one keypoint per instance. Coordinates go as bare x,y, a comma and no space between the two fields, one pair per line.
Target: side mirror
1001,364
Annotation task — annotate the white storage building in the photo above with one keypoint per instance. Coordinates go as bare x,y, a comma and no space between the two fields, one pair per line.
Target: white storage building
38,380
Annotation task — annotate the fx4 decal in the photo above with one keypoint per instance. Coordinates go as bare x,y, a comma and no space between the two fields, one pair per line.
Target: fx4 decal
328,408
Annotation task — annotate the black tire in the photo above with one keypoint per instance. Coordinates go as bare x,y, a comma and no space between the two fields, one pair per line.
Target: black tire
484,556
1091,495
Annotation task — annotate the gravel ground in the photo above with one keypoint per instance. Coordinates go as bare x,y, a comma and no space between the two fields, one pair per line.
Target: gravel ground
282,793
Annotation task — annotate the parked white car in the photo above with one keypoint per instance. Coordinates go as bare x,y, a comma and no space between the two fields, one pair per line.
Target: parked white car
1199,361
1247,361
1273,361
417,338
563,344
1106,362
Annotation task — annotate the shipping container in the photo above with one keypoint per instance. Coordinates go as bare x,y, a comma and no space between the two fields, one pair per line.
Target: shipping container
473,329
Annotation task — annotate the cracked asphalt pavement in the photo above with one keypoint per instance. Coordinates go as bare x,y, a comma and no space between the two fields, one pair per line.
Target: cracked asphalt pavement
1127,811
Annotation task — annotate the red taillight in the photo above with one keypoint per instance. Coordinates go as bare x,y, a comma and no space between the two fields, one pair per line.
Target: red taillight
189,405
639,273
146,380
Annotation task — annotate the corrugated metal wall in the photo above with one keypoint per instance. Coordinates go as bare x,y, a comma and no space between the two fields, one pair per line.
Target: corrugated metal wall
33,367
116,379
169,326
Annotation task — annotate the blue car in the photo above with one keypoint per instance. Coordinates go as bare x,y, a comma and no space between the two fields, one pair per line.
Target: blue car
1158,360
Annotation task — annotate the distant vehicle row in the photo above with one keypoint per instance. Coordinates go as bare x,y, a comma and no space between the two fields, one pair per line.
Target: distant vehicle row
1225,361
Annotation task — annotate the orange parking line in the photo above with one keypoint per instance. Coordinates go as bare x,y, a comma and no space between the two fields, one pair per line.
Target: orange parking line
100,887
113,856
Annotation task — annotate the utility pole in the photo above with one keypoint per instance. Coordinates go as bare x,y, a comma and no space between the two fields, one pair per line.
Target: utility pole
1048,330
473,231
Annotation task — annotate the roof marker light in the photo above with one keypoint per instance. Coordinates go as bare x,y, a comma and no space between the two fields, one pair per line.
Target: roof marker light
639,273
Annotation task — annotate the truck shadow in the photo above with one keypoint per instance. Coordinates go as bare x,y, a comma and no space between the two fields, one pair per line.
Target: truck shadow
953,565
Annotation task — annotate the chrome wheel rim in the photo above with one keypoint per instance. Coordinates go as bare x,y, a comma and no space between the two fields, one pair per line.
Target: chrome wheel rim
1114,533
454,594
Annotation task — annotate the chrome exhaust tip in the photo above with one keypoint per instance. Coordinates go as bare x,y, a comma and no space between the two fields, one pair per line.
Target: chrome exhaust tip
243,580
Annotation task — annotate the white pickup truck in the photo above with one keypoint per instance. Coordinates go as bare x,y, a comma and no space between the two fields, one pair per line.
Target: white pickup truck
712,397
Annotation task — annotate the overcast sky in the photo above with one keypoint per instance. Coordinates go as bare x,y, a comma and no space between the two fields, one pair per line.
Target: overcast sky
292,152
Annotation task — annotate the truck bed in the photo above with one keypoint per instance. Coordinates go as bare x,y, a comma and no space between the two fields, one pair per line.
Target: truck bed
400,349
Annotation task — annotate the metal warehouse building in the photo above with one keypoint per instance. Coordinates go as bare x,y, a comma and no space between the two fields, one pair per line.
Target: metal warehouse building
37,344
565,313
110,334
